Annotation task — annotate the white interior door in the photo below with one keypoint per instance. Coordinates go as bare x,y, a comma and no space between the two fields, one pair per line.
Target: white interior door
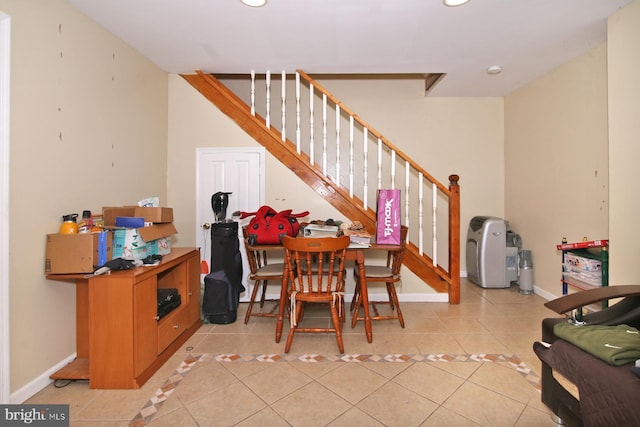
239,171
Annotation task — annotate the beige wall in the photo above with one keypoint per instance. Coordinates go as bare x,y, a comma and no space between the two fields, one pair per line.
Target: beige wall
419,126
556,164
624,143
88,128
571,150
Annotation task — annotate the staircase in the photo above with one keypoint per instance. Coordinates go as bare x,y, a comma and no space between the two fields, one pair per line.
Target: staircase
326,133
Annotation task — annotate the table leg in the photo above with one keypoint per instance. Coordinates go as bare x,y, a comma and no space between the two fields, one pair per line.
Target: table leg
364,294
282,307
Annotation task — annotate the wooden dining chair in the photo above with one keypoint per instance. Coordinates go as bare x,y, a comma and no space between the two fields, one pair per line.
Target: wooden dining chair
310,268
261,272
388,274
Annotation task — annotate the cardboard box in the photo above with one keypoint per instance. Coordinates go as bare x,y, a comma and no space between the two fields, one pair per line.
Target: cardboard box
109,214
155,215
77,253
139,243
161,246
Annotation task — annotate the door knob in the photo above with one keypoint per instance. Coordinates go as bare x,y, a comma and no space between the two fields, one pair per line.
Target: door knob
206,226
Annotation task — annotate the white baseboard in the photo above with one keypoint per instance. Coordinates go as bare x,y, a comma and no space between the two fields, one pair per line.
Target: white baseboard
39,382
419,297
544,294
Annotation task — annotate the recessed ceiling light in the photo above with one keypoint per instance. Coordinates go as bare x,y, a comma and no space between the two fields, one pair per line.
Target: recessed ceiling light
254,3
454,3
494,69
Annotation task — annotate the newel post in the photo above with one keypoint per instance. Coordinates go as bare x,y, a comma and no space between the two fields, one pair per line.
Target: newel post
454,239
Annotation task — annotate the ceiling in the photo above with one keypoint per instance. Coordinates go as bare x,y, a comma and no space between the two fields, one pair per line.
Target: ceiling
527,38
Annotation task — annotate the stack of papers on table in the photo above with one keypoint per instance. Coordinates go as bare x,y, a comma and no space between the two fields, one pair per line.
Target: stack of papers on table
360,237
355,245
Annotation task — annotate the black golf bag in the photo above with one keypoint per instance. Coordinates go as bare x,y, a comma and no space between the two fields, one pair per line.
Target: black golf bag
223,285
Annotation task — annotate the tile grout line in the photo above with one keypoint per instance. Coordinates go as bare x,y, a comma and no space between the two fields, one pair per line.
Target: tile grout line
153,405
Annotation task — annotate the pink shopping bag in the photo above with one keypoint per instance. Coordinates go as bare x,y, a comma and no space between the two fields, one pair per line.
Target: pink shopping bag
388,217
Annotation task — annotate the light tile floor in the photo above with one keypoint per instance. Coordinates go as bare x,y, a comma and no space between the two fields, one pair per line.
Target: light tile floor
469,364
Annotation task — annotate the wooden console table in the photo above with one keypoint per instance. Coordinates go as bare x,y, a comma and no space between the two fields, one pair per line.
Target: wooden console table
120,341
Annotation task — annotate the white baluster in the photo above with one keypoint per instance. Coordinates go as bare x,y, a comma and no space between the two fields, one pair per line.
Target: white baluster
311,124
393,169
253,92
298,112
268,116
420,223
324,134
379,164
407,174
337,144
365,168
284,105
351,156
435,225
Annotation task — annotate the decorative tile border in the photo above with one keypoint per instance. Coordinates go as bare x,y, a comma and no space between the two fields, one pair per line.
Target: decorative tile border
153,405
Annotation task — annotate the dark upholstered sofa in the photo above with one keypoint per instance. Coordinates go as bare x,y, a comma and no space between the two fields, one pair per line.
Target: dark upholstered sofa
579,388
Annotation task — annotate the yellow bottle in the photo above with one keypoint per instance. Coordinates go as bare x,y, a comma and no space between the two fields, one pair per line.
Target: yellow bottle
69,224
